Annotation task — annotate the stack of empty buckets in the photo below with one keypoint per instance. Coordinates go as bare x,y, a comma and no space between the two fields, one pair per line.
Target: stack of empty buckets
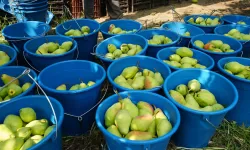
27,10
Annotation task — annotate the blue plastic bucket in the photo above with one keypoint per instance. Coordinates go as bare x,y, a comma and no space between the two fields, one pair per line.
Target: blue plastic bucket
197,127
206,29
33,15
180,28
30,8
74,102
202,58
11,52
118,40
30,3
234,44
241,111
85,43
19,33
116,143
124,24
41,61
145,62
234,19
224,29
43,110
153,49
15,71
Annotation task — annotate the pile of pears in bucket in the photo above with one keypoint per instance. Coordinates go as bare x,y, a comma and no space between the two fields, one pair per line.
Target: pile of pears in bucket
52,48
183,59
80,86
75,32
204,21
132,78
214,46
117,30
12,90
23,131
4,58
159,40
124,51
238,69
234,33
136,121
192,96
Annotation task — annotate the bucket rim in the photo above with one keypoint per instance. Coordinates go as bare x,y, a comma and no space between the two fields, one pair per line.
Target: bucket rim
76,37
194,50
119,20
219,64
28,7
147,142
184,24
28,4
59,118
68,91
34,75
225,110
26,22
233,26
28,11
135,57
73,49
156,30
9,48
201,26
122,35
216,53
234,15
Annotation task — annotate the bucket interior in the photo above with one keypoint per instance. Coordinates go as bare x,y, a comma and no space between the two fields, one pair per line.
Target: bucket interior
9,51
235,18
28,29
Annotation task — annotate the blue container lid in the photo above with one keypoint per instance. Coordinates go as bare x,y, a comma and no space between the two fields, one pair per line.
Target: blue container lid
184,71
207,37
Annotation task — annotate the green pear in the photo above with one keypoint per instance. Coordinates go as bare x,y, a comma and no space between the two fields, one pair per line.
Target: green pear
128,105
59,51
52,47
119,79
145,106
159,115
228,71
27,114
233,31
4,92
111,48
139,136
203,23
192,102
131,52
48,130
70,32
175,57
26,86
194,85
129,72
187,34
125,48
205,98
138,83
125,85
175,64
23,132
199,43
158,78
177,97
82,85
147,72
152,128
116,30
225,47
200,66
111,113
12,144
184,52
234,67
182,89
36,138
208,21
150,82
66,45
163,127
14,90
138,74
28,144
61,87
77,33
6,132
207,109
123,121
85,29
141,123
109,56
131,46
198,20
6,79
114,130
75,87
90,83
191,20
143,112
43,49
217,107
167,62
117,53
240,75
188,60
246,73
186,65
123,55
38,127
13,121
217,43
